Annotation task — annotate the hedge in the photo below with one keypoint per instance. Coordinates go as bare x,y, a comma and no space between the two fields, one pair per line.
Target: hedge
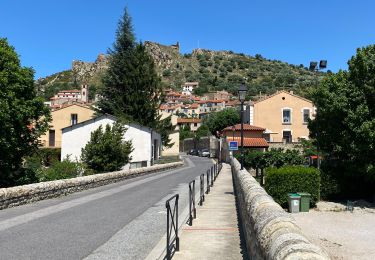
290,179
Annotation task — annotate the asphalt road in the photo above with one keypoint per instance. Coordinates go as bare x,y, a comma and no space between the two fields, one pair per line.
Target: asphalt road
124,220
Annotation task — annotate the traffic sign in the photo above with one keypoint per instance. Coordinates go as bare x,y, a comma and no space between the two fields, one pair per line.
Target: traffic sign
233,146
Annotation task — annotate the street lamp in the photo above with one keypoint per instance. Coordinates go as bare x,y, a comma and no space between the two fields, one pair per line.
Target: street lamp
241,96
314,67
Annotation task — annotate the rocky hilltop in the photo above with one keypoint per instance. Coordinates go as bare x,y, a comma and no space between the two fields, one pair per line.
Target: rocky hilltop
215,70
85,71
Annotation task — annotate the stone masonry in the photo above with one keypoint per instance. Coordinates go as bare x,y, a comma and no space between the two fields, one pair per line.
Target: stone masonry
14,196
269,231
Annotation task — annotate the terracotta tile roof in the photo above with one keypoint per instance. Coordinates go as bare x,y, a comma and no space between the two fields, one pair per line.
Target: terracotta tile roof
194,106
188,120
233,103
250,142
70,90
246,127
215,101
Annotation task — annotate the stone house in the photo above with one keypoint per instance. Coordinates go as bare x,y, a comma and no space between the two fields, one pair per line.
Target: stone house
62,117
193,123
218,95
146,141
64,97
285,116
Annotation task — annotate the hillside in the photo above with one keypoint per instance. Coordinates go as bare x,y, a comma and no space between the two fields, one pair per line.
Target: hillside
215,70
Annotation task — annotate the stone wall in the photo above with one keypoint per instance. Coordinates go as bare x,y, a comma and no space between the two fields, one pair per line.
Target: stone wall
289,146
14,196
269,231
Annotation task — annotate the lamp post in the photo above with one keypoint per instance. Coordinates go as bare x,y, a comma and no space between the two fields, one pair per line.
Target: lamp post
241,96
314,67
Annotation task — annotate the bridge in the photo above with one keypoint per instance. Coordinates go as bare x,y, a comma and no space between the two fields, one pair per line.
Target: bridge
127,219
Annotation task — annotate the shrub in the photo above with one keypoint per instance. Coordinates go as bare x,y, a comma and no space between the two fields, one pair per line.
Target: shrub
289,179
62,170
106,151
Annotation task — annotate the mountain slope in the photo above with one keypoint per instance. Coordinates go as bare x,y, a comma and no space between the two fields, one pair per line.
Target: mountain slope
215,70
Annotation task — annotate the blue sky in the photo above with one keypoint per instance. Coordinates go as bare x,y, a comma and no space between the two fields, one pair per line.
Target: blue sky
48,35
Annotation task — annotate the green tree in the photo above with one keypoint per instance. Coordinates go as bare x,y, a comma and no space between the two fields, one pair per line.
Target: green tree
23,116
217,121
185,132
106,151
344,126
202,131
132,88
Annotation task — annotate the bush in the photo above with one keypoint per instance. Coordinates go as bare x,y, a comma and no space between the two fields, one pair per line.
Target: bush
62,170
289,179
106,151
329,188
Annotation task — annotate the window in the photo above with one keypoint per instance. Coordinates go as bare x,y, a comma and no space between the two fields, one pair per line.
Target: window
73,119
287,137
287,118
135,165
51,138
306,115
195,124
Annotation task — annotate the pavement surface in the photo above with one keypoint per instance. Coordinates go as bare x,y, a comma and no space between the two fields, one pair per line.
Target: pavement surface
344,235
124,220
215,232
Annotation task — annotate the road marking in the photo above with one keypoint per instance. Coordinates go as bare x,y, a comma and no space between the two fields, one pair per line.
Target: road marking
22,219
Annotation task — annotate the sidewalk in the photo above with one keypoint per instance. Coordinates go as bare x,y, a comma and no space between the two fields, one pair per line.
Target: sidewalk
215,233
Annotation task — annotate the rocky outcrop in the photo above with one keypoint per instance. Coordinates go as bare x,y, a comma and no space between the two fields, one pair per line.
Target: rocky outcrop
162,58
85,71
269,231
14,196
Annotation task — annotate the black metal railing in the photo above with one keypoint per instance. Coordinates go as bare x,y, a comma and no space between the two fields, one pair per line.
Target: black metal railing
201,197
173,241
192,209
208,181
212,176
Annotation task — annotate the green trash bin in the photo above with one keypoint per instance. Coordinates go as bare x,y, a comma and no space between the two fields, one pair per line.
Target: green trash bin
294,202
305,201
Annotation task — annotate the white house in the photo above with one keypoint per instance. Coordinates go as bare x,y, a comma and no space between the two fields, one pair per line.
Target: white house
146,142
188,87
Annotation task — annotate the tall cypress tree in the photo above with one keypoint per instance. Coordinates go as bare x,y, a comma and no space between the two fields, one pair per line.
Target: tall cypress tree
132,88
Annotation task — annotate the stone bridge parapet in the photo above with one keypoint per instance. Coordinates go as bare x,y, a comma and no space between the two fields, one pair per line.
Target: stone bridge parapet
269,231
14,196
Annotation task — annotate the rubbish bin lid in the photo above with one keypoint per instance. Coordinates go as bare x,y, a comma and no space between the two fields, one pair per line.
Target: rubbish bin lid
304,194
294,195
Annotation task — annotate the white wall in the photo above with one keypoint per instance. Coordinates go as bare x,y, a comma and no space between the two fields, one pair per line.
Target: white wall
76,137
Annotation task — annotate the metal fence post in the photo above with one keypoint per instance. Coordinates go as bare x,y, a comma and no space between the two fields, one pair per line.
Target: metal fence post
192,209
208,181
173,243
212,176
201,200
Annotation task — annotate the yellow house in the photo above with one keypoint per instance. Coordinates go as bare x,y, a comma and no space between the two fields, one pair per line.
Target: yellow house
284,115
175,137
63,117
